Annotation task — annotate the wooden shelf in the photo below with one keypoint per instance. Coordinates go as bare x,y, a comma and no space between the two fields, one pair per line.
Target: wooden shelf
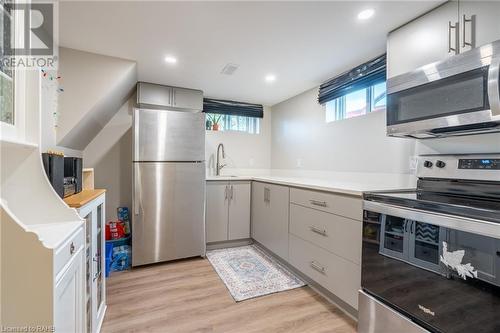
82,198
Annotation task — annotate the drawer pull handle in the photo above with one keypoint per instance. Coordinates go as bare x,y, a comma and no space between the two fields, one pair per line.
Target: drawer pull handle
318,267
318,231
72,248
318,203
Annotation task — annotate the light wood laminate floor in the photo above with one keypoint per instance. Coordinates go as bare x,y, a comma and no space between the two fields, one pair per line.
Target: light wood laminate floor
188,296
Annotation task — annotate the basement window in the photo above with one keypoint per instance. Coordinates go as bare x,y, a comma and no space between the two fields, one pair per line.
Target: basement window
357,103
356,92
233,123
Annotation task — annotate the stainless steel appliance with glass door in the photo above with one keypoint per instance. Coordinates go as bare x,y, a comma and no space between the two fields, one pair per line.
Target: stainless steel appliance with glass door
169,183
456,96
431,257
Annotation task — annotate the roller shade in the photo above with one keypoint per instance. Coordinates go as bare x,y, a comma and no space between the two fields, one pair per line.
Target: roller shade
362,76
232,108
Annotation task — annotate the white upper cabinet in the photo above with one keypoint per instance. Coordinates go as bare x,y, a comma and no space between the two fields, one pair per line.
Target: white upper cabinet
187,98
455,27
479,23
430,38
157,96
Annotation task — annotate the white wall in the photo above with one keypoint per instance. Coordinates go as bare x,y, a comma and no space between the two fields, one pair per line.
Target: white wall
243,150
301,139
49,106
95,86
110,154
483,143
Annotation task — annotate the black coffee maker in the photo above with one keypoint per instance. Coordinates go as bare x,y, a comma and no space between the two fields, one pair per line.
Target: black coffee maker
64,173
73,173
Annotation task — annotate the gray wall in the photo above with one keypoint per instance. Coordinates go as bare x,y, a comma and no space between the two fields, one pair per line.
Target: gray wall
302,139
110,154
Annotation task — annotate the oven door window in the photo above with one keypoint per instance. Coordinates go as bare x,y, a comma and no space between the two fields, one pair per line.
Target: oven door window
482,253
425,243
461,93
394,236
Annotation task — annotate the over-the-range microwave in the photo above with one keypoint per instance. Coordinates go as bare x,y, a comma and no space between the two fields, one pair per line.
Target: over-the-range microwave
456,96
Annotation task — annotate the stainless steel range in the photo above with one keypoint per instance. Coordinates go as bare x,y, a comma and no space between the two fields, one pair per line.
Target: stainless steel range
431,257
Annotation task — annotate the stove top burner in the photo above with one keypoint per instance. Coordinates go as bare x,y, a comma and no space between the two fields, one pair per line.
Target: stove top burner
470,207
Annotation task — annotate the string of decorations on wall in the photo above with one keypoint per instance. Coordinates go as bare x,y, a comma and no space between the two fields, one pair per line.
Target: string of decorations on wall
51,83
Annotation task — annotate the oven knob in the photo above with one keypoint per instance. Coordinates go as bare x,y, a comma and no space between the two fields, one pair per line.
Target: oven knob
440,164
428,164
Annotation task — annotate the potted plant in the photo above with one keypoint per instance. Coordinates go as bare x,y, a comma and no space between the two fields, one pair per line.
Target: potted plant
214,119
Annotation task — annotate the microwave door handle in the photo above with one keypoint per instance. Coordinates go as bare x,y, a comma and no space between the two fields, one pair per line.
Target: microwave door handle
494,86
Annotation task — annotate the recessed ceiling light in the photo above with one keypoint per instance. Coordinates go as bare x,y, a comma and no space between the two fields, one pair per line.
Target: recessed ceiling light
366,14
270,77
170,59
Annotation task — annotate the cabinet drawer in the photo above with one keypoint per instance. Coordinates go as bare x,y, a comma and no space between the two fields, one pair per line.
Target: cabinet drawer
327,202
68,249
339,276
337,234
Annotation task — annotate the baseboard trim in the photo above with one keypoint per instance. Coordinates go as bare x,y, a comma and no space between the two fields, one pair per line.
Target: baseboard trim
228,244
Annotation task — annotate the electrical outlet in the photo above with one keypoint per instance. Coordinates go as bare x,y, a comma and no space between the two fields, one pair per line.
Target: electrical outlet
251,162
299,163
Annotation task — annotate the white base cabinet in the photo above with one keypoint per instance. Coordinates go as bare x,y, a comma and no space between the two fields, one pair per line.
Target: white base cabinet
68,312
270,217
95,291
43,275
227,215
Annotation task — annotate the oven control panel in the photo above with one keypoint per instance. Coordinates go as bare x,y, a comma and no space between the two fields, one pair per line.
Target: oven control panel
479,164
473,167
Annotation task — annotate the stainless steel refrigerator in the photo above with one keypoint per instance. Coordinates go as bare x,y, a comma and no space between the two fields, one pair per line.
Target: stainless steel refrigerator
168,185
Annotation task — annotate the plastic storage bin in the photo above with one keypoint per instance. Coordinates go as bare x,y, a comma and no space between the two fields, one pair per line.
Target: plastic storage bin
118,255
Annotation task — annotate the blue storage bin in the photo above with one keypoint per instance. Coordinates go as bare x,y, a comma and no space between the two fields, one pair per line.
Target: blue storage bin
119,262
108,258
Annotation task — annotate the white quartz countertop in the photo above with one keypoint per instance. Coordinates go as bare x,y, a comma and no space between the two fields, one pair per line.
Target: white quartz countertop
351,183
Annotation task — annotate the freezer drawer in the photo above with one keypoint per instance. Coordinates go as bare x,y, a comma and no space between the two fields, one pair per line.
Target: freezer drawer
168,211
175,136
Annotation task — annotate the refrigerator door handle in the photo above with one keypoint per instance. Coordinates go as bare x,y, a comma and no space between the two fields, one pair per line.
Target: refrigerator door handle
137,184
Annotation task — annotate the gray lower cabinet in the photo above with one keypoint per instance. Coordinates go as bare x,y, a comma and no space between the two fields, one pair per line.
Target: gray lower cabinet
227,215
338,275
316,232
336,234
270,217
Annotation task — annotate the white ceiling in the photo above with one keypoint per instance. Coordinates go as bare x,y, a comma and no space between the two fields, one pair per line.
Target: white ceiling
302,43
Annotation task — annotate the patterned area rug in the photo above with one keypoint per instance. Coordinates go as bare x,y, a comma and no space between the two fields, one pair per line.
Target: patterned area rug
248,272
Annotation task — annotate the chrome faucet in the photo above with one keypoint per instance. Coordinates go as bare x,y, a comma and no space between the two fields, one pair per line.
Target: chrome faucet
219,166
